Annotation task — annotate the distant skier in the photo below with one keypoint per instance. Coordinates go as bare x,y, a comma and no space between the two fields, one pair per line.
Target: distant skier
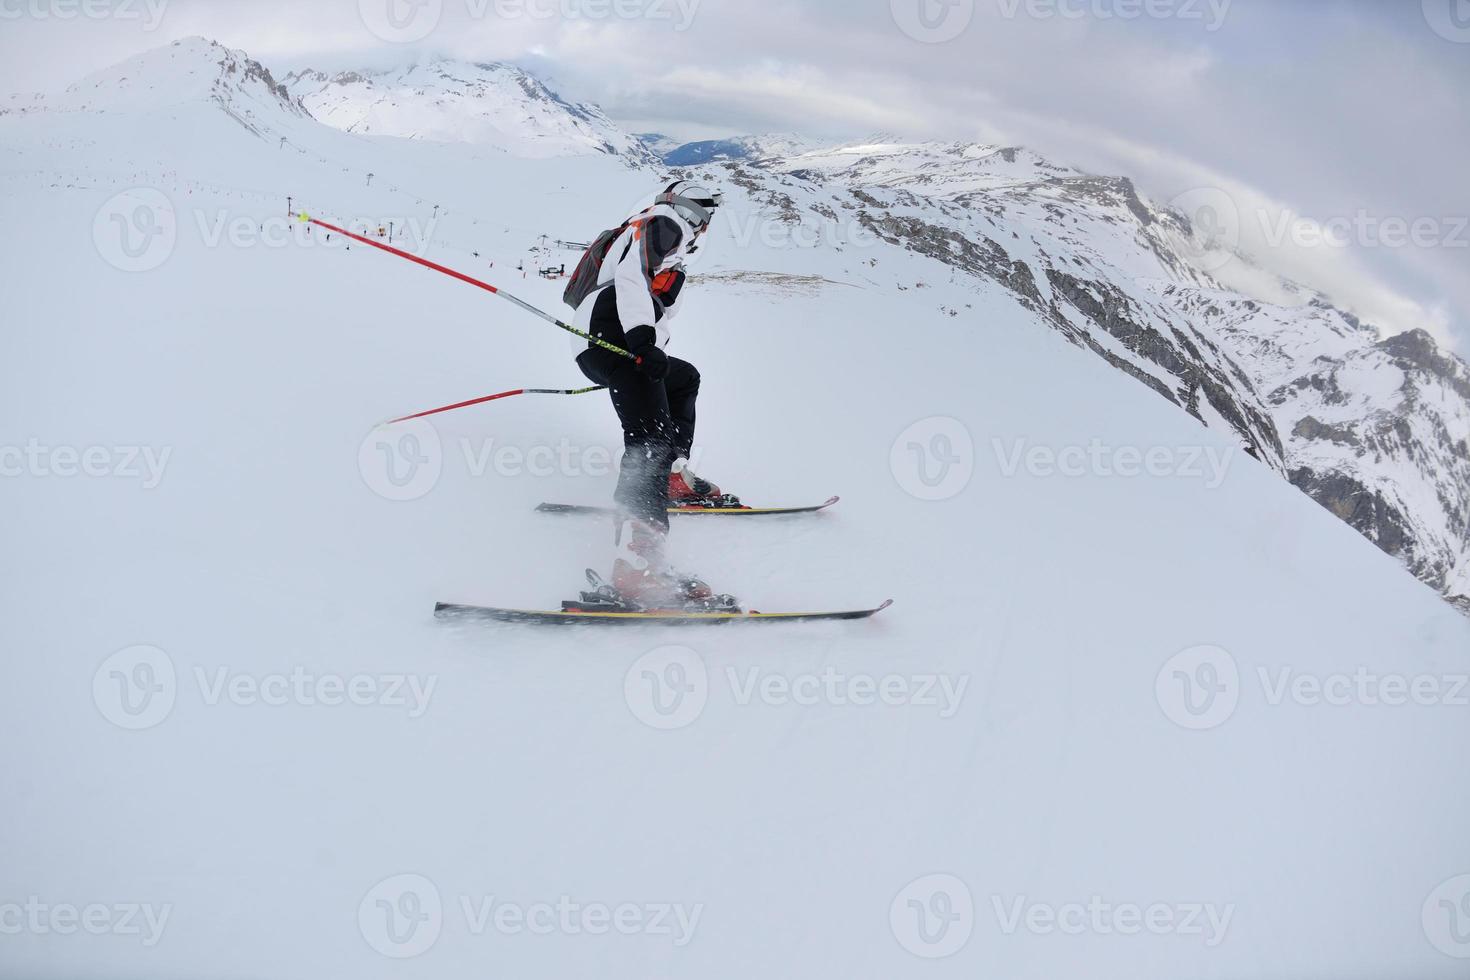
626,291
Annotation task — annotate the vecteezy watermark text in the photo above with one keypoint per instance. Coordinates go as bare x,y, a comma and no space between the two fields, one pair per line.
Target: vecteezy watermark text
406,233
1209,464
1365,687
1201,687
40,461
403,916
938,21
680,13
669,687
39,918
138,687
568,917
1216,226
1211,13
1102,918
408,21
934,916
150,12
831,686
405,462
307,689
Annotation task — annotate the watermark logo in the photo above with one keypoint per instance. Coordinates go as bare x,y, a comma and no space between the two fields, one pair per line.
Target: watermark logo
143,920
1446,917
410,692
933,459
406,460
400,21
1363,687
1365,229
1215,226
838,689
1213,232
1207,464
150,12
667,688
37,460
402,916
565,459
223,227
783,231
407,21
1204,920
675,921
136,230
1450,19
1199,688
680,12
1212,13
933,21
933,916
138,688
402,463
135,688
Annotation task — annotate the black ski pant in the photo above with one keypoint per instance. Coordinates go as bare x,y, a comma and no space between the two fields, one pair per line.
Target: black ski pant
657,419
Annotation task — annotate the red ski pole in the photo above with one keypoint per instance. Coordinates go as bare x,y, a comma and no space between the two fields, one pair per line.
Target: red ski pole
474,282
491,398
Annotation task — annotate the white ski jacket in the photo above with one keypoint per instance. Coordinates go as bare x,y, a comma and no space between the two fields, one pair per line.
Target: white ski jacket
656,240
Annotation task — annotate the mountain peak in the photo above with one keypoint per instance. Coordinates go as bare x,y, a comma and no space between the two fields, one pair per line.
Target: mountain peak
448,101
190,70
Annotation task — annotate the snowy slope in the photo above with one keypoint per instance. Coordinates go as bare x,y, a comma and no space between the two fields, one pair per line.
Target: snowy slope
1046,617
494,105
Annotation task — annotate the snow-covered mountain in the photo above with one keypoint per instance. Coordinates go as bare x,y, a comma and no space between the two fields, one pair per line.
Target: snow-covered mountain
1079,251
495,105
1375,429
934,169
186,72
1055,748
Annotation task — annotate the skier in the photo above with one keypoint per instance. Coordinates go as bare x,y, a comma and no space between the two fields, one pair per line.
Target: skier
626,291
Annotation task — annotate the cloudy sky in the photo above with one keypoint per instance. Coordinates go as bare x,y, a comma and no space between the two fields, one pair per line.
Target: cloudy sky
1336,131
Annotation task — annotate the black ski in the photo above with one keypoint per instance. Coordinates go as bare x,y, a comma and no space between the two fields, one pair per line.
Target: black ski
604,604
538,617
693,511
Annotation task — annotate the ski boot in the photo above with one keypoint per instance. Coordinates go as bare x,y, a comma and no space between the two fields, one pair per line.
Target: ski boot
688,490
643,580
604,598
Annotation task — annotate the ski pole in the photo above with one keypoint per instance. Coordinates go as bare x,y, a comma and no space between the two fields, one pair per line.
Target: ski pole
491,398
474,282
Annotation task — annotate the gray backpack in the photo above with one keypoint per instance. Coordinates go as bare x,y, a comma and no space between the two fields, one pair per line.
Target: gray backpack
589,270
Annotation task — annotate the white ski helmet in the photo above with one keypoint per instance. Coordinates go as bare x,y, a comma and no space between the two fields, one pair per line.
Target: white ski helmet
695,204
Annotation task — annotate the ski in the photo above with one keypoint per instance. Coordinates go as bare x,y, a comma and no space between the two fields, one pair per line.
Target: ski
693,511
446,610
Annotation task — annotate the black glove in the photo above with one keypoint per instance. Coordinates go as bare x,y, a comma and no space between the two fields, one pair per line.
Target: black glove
643,344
